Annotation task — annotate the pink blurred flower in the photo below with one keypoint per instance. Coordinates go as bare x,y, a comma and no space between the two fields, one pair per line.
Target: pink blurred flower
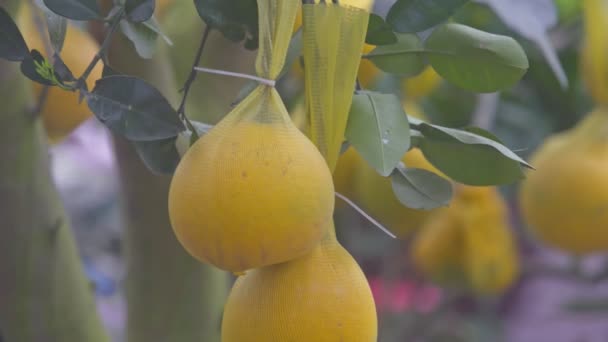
404,295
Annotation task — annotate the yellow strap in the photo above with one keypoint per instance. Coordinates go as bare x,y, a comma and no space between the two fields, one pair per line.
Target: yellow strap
333,36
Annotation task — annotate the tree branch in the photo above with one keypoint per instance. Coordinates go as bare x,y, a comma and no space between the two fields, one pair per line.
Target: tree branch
191,77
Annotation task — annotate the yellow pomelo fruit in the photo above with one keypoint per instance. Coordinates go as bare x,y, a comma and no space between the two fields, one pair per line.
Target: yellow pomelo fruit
358,181
563,200
250,194
421,85
61,113
470,244
321,297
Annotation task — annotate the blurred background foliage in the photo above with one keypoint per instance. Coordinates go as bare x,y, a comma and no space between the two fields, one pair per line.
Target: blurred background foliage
412,305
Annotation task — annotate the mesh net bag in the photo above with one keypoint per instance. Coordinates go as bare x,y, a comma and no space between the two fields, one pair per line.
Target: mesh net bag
254,191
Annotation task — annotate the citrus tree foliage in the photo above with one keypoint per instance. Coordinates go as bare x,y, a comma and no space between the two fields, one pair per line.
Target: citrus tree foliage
469,58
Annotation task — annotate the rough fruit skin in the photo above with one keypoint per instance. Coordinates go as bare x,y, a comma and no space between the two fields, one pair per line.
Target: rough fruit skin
61,113
358,181
564,200
321,297
251,194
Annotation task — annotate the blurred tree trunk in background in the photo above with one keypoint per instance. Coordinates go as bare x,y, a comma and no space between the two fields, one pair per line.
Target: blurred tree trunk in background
44,294
170,295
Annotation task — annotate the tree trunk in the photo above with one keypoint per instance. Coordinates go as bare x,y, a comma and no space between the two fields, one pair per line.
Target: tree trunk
44,294
171,296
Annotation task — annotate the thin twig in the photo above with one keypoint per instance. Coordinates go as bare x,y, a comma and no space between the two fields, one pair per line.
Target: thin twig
364,214
104,46
181,111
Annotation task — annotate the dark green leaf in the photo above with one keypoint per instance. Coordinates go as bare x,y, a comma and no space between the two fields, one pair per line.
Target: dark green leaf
403,58
419,15
476,60
133,108
378,128
236,19
482,132
64,74
74,9
12,45
469,158
31,71
420,189
379,32
160,156
139,10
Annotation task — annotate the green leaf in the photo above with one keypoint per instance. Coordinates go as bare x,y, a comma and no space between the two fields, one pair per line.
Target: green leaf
476,60
74,9
160,156
139,10
57,27
378,129
418,15
403,58
131,107
142,37
379,32
469,158
64,74
532,19
12,44
236,19
482,132
420,189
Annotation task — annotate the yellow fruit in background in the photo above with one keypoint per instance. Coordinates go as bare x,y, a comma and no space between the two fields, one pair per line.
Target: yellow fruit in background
564,199
321,297
163,7
469,244
421,85
61,113
358,181
437,250
491,260
250,194
368,73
